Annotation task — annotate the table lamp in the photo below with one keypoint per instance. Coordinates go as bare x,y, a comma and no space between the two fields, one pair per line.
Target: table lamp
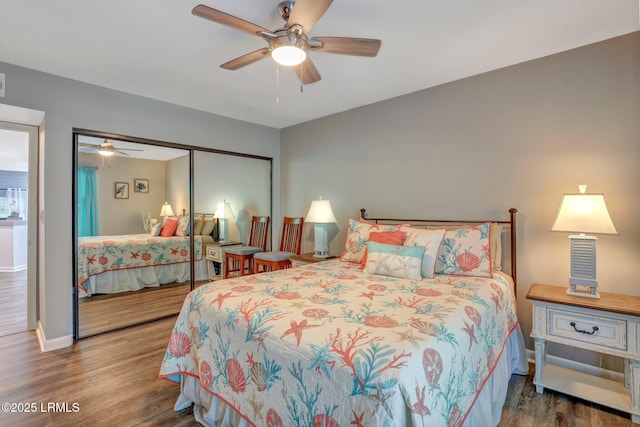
583,213
321,214
166,211
224,213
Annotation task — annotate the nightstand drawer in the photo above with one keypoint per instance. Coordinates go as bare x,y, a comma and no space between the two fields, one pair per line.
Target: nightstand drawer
595,330
213,253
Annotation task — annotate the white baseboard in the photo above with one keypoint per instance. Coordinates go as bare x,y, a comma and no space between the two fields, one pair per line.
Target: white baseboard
53,344
578,366
13,269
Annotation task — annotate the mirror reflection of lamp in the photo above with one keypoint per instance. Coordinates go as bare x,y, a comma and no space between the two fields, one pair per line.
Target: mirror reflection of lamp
166,211
224,213
583,213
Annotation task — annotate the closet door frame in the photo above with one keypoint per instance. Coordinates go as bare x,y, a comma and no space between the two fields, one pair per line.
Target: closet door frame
193,150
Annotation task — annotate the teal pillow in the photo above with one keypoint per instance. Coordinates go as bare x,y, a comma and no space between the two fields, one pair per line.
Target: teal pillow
396,261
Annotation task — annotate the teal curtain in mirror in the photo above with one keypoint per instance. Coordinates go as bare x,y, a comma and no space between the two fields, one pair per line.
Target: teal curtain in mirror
87,202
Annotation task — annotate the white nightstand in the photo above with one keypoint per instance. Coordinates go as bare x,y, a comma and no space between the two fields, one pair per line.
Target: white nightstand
307,258
610,325
214,252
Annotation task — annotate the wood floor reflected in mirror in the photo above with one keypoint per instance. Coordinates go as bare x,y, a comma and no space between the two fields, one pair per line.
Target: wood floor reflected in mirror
102,313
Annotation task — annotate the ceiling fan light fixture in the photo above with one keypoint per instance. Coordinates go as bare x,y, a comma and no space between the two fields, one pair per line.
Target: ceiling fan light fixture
103,151
288,55
289,49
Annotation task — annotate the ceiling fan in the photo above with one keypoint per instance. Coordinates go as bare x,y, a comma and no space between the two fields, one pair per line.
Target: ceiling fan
105,149
290,45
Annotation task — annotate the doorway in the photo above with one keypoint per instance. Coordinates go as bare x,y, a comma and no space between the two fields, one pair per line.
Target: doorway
18,227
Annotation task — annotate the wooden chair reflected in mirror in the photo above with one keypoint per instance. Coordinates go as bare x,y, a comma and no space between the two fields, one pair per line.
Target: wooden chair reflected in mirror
239,259
290,243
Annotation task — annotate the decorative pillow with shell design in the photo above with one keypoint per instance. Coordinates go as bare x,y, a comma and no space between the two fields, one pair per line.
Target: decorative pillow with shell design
466,252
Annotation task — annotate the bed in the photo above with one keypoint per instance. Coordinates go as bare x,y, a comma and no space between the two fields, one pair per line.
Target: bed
331,344
113,264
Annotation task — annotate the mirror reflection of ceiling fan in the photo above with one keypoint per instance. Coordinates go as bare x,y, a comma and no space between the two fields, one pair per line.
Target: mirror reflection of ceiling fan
105,149
289,45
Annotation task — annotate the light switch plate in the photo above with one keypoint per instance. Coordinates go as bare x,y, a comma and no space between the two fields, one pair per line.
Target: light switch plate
2,84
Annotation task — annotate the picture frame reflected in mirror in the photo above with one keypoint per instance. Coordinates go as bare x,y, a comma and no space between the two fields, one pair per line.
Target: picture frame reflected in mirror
141,185
121,190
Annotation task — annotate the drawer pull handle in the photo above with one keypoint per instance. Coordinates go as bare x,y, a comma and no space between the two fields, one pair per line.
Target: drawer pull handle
582,331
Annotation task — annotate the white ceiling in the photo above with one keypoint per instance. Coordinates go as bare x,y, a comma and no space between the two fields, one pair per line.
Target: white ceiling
158,49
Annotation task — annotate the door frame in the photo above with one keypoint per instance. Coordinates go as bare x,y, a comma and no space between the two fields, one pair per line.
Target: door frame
32,220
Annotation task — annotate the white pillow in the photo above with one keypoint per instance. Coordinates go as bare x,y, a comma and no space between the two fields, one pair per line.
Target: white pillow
431,241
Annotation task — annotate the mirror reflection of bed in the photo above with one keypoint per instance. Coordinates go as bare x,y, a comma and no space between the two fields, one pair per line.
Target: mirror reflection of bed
136,278
126,273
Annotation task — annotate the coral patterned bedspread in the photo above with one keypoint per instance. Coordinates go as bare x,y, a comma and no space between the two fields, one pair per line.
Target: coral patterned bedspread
328,344
97,254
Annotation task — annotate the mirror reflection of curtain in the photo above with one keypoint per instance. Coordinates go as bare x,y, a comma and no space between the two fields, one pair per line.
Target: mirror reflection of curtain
17,202
87,201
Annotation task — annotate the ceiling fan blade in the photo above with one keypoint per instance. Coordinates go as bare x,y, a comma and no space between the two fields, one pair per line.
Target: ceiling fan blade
128,149
125,154
247,59
87,145
348,46
225,19
307,12
307,72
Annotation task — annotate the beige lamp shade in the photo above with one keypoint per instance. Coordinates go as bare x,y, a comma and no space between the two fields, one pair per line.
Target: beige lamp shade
224,211
320,212
166,210
584,213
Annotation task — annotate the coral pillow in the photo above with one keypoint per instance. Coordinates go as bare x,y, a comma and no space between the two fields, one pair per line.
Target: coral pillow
169,227
395,238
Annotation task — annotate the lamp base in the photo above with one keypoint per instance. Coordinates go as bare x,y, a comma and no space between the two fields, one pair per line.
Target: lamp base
322,255
591,293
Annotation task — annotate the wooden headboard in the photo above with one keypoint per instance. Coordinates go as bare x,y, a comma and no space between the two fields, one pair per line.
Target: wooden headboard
509,226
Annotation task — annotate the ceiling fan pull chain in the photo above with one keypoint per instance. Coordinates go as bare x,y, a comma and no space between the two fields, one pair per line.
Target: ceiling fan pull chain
277,84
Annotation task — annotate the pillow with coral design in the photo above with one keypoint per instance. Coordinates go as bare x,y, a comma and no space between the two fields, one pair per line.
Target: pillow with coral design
466,252
388,237
357,238
183,226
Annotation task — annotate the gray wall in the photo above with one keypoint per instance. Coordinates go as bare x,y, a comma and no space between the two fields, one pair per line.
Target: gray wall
69,104
516,137
124,216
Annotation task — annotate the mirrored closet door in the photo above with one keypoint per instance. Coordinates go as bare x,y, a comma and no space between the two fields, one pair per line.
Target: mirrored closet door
243,183
145,216
129,270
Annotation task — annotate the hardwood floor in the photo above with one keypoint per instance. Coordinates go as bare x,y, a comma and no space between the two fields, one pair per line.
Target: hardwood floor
101,313
526,408
113,380
13,302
